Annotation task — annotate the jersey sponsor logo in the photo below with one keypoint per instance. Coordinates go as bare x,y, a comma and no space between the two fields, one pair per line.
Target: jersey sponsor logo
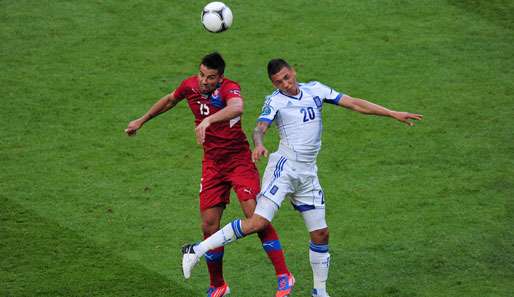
273,190
266,110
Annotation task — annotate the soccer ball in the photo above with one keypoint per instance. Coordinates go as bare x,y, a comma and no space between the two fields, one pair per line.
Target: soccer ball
216,17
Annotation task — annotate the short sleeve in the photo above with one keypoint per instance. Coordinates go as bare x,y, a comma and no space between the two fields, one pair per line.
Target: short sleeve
231,90
180,92
269,110
330,95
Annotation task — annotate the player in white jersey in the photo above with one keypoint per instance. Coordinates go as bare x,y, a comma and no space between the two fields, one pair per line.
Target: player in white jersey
291,170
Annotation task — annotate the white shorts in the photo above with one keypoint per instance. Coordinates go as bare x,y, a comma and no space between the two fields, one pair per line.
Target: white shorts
297,180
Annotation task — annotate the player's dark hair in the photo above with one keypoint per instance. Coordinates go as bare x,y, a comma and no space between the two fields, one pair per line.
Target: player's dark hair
275,65
214,61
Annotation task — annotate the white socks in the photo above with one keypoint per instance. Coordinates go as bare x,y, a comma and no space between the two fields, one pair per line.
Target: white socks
320,263
229,233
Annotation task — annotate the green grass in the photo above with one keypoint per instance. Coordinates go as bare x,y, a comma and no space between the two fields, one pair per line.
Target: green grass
413,212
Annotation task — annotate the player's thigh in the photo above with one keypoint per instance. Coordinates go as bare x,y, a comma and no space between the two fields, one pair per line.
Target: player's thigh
309,200
278,179
244,178
214,189
308,194
248,207
265,208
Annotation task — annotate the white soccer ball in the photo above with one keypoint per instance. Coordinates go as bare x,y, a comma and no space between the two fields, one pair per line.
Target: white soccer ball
216,17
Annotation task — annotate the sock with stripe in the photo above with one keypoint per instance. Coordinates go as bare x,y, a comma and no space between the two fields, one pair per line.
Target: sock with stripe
214,259
320,263
272,247
229,233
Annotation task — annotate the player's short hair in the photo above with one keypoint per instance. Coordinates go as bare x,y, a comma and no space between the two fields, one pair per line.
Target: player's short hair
275,65
214,61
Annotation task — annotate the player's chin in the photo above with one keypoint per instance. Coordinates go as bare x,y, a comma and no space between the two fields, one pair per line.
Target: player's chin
206,89
290,91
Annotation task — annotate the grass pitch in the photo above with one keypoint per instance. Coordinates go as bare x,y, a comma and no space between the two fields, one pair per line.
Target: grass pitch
413,212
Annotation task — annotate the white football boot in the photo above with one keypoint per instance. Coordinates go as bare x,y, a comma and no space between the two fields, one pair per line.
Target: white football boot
189,259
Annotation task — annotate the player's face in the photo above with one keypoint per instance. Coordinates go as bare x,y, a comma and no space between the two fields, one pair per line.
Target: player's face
285,80
208,79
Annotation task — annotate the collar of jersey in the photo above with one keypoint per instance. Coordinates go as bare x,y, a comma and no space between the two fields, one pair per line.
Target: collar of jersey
293,97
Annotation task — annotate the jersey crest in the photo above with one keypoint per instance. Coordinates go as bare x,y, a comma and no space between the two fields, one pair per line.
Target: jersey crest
318,102
266,110
215,99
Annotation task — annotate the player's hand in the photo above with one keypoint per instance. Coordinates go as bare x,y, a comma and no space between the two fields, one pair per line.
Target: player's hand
200,130
133,127
406,116
258,152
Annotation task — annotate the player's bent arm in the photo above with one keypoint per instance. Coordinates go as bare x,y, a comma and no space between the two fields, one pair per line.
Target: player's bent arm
164,104
258,141
366,107
258,133
233,109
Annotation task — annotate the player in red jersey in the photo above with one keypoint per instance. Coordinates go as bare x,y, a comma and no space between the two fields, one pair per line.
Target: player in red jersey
217,105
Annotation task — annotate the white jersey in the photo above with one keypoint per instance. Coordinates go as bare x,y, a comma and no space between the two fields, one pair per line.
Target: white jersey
298,119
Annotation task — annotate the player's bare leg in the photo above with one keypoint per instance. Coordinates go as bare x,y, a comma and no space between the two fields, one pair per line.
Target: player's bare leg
211,218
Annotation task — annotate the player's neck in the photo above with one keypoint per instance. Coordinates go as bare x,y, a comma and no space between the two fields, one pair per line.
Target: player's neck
293,93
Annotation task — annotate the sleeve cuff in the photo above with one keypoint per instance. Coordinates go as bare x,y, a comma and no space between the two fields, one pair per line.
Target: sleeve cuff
336,100
264,120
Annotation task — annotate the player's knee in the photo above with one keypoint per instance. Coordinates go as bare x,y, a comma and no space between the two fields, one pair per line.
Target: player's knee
248,207
255,224
210,227
320,236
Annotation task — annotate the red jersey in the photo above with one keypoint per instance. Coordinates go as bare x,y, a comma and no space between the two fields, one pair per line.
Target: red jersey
221,138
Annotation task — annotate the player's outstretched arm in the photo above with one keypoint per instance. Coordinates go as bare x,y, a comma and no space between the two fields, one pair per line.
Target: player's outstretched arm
258,141
233,109
366,107
164,104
